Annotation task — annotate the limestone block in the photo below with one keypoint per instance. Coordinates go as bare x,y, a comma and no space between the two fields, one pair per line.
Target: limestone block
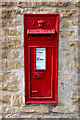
13,24
11,32
49,10
6,14
64,24
67,34
16,99
3,55
75,22
76,3
56,4
71,66
65,109
6,4
2,24
65,53
64,77
2,77
12,65
12,87
38,109
8,110
73,44
68,13
15,55
11,44
4,98
27,4
12,77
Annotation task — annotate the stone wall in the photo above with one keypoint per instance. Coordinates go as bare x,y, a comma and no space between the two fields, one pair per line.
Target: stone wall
12,63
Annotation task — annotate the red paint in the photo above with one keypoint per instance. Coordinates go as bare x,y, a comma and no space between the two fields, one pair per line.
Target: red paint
41,84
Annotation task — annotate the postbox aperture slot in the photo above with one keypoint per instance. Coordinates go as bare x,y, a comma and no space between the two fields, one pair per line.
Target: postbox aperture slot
38,34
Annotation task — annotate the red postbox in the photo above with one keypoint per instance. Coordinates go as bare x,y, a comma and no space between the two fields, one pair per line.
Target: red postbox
41,57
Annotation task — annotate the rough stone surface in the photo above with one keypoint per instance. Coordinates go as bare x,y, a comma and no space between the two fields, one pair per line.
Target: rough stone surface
6,14
4,98
2,24
11,32
56,4
65,53
6,4
11,44
72,65
64,77
13,24
75,22
13,87
49,10
27,4
3,55
2,77
64,24
12,77
16,99
12,65
8,110
38,109
67,34
15,55
76,3
65,109
68,13
73,43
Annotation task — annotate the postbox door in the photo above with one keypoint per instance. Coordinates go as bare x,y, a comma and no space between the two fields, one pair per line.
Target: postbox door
41,75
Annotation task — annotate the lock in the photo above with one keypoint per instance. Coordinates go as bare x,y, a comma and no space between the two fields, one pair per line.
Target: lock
41,33
38,75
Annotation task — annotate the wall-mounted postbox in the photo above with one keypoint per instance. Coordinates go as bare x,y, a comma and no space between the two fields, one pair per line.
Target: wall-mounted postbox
41,57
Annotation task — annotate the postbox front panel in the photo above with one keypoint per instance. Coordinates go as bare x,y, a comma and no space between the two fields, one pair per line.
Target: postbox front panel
41,57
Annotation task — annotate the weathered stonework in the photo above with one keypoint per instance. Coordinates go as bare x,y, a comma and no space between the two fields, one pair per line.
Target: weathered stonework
13,24
4,98
3,55
13,87
2,24
64,24
65,109
68,13
49,10
16,99
12,60
15,55
27,4
12,65
67,34
11,44
11,32
6,14
57,4
2,77
6,4
76,3
38,109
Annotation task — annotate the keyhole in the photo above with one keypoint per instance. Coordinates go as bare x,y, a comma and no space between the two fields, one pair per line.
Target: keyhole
36,76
